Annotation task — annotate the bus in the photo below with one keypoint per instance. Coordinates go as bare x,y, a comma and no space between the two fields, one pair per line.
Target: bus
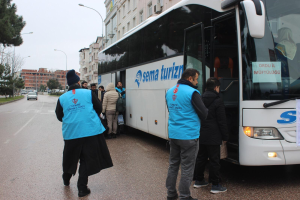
251,46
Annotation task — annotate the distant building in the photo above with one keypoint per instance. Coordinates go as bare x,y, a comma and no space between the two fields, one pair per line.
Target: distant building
123,15
88,60
33,79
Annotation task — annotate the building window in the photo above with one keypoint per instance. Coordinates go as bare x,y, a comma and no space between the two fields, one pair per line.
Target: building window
124,10
133,4
141,16
119,35
128,5
133,22
119,17
128,26
149,9
123,30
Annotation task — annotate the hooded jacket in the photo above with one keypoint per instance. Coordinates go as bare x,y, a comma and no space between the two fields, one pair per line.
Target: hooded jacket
214,129
110,98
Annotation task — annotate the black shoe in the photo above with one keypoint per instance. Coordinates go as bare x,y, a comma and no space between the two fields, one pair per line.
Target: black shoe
173,198
66,182
109,136
199,184
114,136
82,193
189,198
217,189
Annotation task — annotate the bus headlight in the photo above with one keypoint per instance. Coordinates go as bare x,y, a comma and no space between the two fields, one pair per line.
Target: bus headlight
263,133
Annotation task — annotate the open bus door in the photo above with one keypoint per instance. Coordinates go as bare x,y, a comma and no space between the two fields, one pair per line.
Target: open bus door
194,54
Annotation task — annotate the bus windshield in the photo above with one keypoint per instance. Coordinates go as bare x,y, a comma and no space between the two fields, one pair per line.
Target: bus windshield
271,65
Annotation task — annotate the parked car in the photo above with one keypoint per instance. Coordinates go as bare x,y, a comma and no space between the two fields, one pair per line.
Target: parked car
32,95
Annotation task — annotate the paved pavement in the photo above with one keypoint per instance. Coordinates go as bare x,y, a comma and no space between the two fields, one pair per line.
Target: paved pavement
31,148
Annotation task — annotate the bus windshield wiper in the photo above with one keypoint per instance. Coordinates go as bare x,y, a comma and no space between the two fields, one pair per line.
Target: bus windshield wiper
266,105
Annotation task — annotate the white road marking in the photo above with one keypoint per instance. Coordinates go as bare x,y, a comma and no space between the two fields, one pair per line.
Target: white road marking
24,126
142,146
7,141
51,111
26,111
46,113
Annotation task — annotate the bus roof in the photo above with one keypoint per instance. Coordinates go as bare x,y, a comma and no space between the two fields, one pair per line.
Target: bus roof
213,4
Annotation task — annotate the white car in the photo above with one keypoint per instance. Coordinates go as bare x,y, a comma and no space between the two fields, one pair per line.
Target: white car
32,95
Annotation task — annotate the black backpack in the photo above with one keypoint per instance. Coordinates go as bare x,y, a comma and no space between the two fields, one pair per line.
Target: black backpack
121,104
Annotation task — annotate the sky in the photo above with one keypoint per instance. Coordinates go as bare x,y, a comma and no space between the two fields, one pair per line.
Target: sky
61,25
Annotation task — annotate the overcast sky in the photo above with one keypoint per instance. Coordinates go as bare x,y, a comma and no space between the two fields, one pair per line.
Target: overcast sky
58,24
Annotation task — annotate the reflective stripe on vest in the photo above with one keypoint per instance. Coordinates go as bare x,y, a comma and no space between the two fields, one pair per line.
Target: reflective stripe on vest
184,123
80,119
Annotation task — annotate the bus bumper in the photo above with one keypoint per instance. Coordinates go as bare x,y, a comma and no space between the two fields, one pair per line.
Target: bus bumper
291,152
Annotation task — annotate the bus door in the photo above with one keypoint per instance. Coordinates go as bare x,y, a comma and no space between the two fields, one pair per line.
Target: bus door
224,62
121,76
194,52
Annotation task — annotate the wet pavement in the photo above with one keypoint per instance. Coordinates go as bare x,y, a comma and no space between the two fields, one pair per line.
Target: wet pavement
31,148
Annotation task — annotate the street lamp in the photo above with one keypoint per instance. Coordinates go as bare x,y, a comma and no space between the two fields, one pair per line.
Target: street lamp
66,66
13,65
101,18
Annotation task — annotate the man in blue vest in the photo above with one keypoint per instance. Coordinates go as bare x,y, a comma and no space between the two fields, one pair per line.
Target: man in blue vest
186,109
120,89
79,111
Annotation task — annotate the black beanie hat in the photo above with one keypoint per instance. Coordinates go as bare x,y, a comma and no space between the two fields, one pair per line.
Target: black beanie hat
72,77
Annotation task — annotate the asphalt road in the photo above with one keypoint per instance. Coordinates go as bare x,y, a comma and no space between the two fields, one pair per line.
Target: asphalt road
31,148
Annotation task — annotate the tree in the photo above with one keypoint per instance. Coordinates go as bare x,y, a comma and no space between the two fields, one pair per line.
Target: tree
6,80
19,83
42,88
11,24
53,84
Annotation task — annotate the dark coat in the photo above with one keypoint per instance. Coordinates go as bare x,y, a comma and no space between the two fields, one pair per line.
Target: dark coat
93,149
214,129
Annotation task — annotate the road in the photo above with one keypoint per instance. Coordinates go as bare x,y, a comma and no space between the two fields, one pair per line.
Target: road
31,148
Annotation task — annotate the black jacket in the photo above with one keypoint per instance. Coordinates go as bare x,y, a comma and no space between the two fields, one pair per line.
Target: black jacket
93,149
214,129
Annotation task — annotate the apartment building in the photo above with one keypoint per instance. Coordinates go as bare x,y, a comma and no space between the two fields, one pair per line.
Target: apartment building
88,60
111,21
33,79
83,62
123,15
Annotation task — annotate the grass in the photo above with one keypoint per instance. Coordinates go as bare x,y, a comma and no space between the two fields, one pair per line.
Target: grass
4,100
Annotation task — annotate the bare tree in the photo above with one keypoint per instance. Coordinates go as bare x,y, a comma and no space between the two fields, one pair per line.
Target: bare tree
7,57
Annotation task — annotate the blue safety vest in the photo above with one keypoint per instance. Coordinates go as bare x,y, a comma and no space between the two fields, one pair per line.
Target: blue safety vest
120,91
184,123
80,119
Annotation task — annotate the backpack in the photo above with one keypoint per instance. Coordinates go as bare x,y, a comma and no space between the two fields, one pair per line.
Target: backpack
121,104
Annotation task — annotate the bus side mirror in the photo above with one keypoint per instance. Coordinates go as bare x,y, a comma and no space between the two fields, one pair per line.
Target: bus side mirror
256,16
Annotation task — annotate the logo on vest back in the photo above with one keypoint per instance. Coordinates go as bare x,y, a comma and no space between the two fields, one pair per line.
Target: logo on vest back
75,101
174,97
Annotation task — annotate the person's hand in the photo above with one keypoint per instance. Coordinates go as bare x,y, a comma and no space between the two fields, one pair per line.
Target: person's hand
224,142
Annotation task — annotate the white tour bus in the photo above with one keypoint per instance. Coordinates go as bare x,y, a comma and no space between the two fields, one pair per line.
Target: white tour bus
251,46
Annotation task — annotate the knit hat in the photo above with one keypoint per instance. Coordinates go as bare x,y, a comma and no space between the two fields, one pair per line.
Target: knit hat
72,77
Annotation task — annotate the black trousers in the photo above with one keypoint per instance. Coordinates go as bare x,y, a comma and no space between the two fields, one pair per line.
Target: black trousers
82,178
211,152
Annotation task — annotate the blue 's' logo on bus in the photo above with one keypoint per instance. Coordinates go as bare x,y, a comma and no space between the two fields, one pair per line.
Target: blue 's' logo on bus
138,77
287,117
167,73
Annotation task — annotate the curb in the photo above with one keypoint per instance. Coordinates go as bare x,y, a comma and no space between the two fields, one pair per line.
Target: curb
11,101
